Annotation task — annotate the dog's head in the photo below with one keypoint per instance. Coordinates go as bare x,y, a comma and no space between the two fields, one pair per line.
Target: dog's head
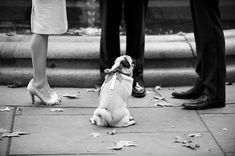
125,64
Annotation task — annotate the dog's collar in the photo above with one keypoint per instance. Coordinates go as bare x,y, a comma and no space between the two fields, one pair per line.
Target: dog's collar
116,75
116,71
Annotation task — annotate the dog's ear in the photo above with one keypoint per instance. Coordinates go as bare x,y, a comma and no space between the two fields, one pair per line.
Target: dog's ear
125,63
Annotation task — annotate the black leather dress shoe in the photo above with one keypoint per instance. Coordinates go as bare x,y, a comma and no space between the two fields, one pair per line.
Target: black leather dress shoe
203,102
192,93
138,89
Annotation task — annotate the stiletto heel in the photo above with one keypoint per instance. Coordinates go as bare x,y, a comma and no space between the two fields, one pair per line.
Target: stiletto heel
53,100
32,97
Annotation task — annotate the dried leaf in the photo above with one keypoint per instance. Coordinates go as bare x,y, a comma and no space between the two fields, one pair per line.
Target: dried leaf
126,144
15,85
22,133
56,110
224,129
179,139
71,96
7,109
159,97
195,135
163,104
192,145
120,144
113,132
115,147
181,33
15,134
93,90
95,135
157,88
12,33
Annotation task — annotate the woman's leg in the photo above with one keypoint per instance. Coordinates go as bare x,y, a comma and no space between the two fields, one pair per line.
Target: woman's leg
39,45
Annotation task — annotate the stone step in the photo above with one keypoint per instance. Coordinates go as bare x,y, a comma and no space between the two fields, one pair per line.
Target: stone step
66,77
73,61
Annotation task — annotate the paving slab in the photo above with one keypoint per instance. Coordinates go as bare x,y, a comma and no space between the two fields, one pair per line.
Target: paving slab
68,133
19,96
14,96
230,154
152,144
223,129
148,119
5,123
229,109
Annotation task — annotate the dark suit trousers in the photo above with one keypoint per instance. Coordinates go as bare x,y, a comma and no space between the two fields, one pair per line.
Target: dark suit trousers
210,46
134,15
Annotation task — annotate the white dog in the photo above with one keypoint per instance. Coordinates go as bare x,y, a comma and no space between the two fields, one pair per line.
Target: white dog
114,95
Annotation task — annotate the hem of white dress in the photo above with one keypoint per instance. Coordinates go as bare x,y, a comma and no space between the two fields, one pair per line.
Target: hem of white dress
49,33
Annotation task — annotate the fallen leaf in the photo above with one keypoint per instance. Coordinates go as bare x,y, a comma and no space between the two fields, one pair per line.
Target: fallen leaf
192,145
224,129
179,139
113,132
12,33
15,85
10,135
95,135
158,97
15,134
181,33
115,147
163,104
188,141
71,96
92,90
195,135
126,143
7,109
157,88
120,144
56,110
22,133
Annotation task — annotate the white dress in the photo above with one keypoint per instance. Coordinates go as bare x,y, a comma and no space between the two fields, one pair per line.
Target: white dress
49,17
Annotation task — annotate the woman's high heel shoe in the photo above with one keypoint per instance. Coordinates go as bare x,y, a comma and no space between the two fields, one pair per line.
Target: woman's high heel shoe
53,100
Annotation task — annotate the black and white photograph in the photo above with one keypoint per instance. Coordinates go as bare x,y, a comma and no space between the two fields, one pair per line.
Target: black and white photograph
117,77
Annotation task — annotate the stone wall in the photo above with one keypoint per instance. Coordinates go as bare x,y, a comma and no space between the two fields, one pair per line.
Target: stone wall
83,13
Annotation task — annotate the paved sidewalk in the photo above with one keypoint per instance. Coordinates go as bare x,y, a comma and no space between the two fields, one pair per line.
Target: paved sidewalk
67,132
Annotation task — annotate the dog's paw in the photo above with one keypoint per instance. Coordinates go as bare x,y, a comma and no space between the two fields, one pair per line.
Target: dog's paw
130,123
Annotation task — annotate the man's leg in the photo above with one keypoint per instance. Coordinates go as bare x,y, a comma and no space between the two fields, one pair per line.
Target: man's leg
211,51
135,15
111,13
